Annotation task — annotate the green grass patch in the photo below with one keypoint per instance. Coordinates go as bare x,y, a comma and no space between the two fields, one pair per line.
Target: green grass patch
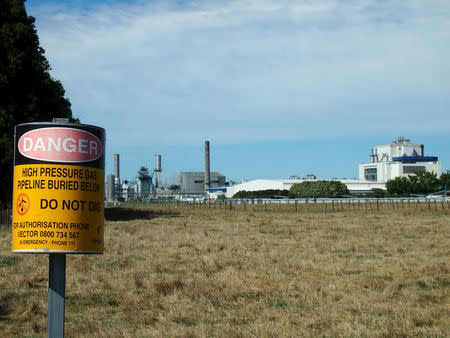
432,299
280,303
439,283
184,321
277,303
105,299
342,253
186,245
9,261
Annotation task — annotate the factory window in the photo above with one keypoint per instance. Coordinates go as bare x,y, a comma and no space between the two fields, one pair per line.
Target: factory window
412,169
198,181
370,174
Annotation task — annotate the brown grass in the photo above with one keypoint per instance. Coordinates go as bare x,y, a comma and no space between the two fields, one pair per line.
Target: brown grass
204,271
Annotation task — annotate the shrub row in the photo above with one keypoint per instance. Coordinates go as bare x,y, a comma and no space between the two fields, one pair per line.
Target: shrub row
317,189
270,193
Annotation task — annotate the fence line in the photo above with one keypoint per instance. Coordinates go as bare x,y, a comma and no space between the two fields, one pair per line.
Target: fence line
329,205
294,205
297,205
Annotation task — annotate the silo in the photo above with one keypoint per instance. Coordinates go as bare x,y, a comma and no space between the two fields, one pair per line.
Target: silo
207,167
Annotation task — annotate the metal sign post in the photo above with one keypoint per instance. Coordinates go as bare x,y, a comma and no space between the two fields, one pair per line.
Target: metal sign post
56,294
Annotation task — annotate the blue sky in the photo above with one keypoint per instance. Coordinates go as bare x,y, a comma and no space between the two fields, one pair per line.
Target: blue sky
278,88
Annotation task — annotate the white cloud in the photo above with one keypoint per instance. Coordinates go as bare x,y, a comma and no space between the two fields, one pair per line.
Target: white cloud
253,70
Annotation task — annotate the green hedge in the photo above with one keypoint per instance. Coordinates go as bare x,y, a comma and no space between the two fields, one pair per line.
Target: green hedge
316,189
270,193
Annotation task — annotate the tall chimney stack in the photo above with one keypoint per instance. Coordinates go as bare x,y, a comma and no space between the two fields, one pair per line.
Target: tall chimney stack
158,170
116,169
110,193
207,167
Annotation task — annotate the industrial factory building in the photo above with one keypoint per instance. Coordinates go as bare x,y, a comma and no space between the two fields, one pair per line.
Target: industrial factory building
388,161
194,182
200,182
400,158
142,188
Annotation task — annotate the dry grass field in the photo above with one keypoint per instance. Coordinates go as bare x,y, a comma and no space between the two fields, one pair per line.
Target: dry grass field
203,271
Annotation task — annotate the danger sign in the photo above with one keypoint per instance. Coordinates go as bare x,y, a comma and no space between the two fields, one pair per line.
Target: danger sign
55,144
58,188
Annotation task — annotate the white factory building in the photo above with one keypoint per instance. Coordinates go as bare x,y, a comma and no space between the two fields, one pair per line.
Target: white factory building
400,158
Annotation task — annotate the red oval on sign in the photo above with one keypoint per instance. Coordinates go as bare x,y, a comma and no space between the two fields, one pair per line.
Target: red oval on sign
58,144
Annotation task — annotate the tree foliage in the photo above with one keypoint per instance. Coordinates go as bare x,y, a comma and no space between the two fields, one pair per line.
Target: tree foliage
444,181
269,193
318,189
378,193
422,182
398,186
27,91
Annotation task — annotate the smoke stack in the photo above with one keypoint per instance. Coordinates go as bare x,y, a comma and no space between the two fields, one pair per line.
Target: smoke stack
110,192
116,169
207,168
158,170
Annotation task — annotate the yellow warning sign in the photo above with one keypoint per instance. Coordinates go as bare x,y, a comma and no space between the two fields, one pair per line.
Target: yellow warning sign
58,188
59,208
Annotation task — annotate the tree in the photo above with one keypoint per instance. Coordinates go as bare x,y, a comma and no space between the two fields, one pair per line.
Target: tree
422,182
378,193
426,182
398,186
27,91
444,181
243,194
317,189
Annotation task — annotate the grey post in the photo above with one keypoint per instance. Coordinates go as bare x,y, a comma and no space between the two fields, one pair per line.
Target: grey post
56,295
